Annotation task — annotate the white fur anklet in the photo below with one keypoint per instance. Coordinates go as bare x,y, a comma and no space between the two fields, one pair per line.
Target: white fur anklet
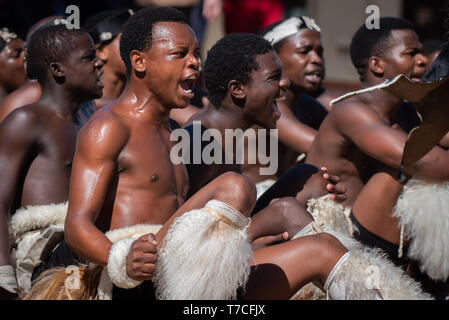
117,264
8,278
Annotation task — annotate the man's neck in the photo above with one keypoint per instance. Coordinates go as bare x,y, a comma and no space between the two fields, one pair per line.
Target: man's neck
139,103
292,96
113,84
226,117
61,101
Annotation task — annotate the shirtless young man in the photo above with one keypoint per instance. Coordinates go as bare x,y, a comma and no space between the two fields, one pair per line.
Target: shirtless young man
243,93
30,91
297,43
12,67
122,176
37,142
357,135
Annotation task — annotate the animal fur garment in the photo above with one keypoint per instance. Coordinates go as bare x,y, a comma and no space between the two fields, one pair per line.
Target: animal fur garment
423,211
94,282
367,274
205,255
332,217
31,230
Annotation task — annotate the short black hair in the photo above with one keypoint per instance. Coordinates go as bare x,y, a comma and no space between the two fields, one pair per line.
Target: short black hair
374,42
47,45
138,30
232,58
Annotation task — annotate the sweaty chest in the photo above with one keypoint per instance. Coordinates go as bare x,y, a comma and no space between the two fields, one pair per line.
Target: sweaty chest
146,158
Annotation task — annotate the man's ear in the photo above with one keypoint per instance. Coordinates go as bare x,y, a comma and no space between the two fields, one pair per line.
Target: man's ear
236,89
57,70
376,65
138,61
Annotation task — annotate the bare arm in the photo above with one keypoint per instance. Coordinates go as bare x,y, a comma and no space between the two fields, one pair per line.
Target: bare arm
385,144
94,166
294,134
18,137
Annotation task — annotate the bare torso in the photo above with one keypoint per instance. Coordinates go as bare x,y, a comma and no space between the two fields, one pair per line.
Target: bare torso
45,174
341,157
146,186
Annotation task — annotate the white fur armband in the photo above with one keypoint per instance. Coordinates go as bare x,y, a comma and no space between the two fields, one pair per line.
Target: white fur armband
117,264
8,278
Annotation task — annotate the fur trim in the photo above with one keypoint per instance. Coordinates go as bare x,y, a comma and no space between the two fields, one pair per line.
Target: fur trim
367,274
117,264
423,212
204,256
37,217
134,231
330,215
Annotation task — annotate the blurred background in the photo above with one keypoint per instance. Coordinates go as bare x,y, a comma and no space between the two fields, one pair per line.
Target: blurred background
338,19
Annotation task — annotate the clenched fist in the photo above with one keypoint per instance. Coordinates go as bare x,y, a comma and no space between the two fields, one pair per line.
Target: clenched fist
142,257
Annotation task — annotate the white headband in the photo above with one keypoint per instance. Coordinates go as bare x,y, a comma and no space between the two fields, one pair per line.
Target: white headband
289,27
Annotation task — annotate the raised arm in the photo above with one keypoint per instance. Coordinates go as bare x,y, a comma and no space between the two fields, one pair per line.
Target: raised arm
94,166
385,144
19,134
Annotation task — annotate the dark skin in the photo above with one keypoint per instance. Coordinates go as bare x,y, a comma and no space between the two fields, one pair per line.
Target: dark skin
358,132
28,93
127,143
302,58
12,68
37,142
247,105
114,76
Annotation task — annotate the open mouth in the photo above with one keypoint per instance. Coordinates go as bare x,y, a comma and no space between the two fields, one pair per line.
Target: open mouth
276,111
188,84
99,75
314,76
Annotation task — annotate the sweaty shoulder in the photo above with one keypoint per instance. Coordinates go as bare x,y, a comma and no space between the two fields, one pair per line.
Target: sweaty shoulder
104,134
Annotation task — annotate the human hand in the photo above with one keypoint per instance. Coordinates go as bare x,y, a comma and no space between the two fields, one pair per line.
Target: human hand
142,257
338,193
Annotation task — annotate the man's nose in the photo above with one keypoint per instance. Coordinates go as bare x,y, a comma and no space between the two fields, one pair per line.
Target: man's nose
284,83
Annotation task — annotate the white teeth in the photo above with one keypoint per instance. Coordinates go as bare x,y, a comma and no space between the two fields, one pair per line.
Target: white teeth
192,77
188,91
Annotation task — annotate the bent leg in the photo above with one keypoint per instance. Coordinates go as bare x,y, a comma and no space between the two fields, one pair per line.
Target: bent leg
283,215
231,188
279,271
